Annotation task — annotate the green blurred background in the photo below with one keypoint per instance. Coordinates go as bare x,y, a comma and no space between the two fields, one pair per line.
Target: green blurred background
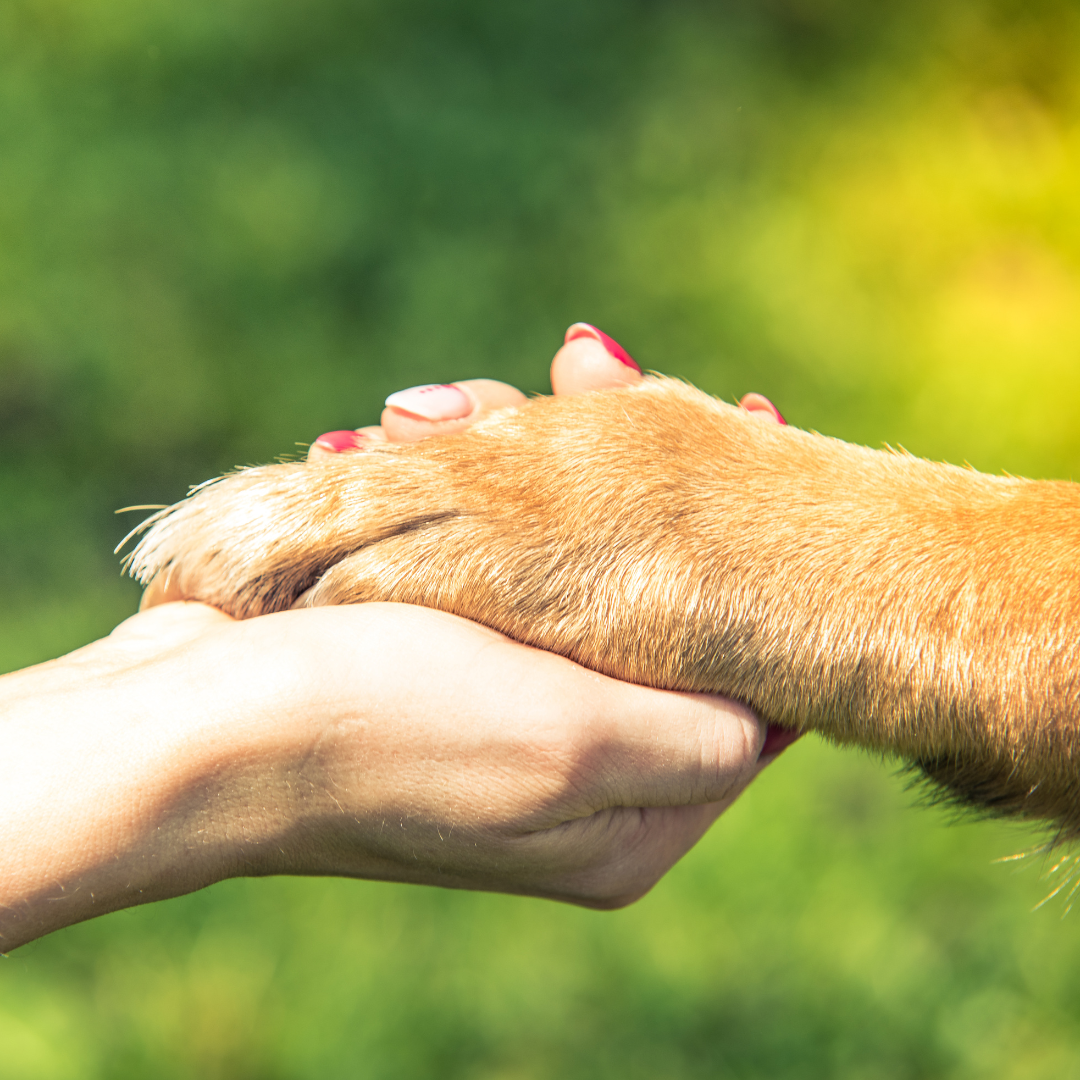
229,225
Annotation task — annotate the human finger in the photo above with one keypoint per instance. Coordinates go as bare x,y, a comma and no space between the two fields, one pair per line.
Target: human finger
643,843
761,406
627,851
148,633
640,747
422,411
443,409
334,442
529,774
658,768
590,360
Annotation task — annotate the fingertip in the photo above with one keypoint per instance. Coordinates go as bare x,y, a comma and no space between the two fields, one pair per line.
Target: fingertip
337,442
709,745
434,402
587,330
585,363
421,412
762,407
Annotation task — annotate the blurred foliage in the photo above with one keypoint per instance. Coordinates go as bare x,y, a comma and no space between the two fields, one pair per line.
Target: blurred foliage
227,226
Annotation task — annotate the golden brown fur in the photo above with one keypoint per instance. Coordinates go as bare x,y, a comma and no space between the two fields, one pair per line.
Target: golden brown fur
658,535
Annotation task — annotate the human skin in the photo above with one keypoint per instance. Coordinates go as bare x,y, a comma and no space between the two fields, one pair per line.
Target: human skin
375,741
658,535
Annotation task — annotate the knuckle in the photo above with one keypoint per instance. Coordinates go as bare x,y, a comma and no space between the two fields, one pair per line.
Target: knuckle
729,756
621,865
615,891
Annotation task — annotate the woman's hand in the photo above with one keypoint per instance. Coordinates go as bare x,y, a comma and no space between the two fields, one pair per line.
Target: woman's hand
588,360
375,741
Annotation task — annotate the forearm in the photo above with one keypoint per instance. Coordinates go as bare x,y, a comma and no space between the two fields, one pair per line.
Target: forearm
923,610
920,609
373,741
115,794
663,538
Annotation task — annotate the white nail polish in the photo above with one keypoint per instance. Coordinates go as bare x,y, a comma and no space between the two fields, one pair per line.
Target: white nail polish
432,402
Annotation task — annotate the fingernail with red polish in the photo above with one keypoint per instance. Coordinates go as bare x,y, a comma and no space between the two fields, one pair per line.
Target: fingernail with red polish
776,740
432,402
759,403
584,329
336,441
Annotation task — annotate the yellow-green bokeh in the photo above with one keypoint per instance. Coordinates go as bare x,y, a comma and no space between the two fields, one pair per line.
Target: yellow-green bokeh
226,227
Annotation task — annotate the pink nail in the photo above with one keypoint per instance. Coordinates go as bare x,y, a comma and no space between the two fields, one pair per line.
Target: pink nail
777,739
432,402
759,403
584,329
336,441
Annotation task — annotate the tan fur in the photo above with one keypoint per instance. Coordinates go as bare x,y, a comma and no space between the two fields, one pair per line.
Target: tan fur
658,535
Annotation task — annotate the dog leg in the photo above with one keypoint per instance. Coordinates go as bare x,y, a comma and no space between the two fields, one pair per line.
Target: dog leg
660,536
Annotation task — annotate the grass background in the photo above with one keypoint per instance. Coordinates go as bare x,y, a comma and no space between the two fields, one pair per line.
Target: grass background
229,225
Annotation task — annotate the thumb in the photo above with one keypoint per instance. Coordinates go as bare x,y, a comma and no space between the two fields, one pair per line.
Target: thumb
657,748
654,770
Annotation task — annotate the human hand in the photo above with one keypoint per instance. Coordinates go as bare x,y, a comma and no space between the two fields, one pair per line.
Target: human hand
378,741
589,360
375,741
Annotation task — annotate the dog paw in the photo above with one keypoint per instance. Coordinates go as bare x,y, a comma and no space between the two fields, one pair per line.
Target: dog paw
657,535
578,524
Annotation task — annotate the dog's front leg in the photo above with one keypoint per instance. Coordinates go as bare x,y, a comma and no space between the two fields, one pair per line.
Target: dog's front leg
660,536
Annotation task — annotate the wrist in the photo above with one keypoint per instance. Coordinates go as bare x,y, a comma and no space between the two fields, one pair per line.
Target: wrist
129,785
